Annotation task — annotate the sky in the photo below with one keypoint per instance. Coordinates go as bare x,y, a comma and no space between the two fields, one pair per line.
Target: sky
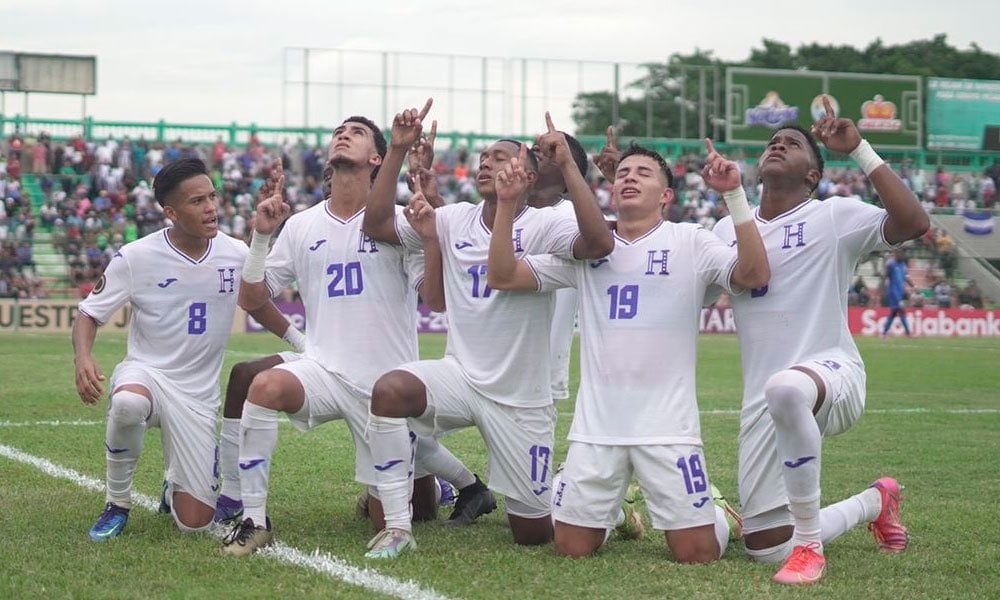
220,61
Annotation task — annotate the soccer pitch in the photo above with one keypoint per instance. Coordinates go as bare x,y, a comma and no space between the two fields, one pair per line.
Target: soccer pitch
932,421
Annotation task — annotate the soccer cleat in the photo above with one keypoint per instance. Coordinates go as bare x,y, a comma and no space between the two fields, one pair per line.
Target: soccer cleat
246,538
804,566
227,510
448,493
632,528
164,508
889,533
474,500
110,524
390,543
733,517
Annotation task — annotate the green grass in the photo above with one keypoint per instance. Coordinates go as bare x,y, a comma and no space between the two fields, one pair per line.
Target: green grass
945,459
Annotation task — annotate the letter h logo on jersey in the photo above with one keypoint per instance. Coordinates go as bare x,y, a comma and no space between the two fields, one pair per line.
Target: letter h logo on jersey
227,280
366,244
517,240
652,261
799,235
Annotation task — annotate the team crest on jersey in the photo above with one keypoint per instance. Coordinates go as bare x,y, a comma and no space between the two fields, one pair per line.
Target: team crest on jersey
99,286
227,280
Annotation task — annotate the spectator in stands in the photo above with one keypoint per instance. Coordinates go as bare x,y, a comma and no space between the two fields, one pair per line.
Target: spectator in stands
946,252
970,296
943,294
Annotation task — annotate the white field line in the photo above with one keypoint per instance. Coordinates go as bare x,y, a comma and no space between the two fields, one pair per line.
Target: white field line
709,413
322,563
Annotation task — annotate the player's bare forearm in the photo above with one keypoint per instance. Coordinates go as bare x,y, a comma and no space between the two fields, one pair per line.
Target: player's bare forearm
432,287
503,270
752,268
380,214
83,336
253,296
907,219
595,239
270,318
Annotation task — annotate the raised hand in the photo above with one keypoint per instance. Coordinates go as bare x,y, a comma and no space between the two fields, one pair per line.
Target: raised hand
421,154
607,161
837,133
272,210
512,180
420,213
406,125
428,183
552,144
720,174
88,380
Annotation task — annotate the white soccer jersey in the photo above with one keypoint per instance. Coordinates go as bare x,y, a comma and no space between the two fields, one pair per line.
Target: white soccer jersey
813,251
359,295
639,314
563,319
182,308
500,338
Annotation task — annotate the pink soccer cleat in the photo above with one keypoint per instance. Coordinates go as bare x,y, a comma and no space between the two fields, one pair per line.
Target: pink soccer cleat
804,566
889,533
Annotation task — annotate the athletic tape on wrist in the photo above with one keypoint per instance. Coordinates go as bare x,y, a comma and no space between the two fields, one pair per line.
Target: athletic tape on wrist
739,208
295,338
253,268
866,157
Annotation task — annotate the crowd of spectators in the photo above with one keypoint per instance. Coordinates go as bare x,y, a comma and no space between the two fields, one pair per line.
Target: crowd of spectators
98,194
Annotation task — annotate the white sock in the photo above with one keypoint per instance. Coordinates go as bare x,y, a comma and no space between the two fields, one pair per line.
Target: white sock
259,436
392,452
791,395
837,519
124,438
721,530
436,459
229,455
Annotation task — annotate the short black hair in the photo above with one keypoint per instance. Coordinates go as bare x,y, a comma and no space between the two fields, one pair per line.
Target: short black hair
377,135
635,149
174,174
380,144
577,151
809,138
532,159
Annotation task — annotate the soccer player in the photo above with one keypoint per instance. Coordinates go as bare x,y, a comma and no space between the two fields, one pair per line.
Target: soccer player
550,191
495,373
803,376
895,291
182,283
637,412
360,301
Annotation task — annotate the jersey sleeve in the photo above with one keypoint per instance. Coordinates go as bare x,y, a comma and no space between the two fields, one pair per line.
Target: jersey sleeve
553,272
408,236
113,291
715,260
860,226
561,233
413,263
279,271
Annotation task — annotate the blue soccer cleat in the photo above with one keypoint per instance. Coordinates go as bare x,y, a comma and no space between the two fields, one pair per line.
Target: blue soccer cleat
227,510
164,508
110,524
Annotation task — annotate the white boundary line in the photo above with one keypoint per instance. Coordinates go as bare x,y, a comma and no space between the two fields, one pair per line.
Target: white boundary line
320,562
725,412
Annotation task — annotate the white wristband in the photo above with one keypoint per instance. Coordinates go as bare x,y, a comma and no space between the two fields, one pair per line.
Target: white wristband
866,157
253,268
739,208
295,338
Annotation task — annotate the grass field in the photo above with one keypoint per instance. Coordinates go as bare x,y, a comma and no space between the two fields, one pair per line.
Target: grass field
933,421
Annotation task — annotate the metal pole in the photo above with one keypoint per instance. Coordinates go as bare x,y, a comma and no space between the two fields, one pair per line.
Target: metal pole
701,102
305,88
524,96
649,113
83,98
340,85
26,112
483,99
614,99
385,88
715,103
684,102
284,86
451,89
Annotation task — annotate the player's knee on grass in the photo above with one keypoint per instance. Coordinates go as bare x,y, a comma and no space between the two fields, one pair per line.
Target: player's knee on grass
424,499
190,515
787,390
128,408
398,394
696,545
528,530
577,542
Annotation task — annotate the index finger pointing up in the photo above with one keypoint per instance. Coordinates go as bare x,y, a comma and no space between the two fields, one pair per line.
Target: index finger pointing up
548,122
709,146
612,138
426,109
433,134
417,188
829,107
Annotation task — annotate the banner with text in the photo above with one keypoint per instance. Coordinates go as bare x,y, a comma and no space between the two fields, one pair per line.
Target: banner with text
963,114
